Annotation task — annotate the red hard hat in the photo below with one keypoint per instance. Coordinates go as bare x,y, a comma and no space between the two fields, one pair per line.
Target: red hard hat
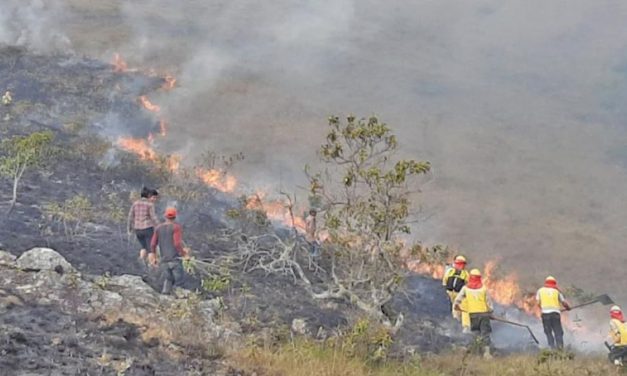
170,213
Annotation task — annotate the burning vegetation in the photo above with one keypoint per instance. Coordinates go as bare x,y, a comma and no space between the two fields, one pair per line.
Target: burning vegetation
265,273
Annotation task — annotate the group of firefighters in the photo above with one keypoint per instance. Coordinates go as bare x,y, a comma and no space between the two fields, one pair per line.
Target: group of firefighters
469,297
471,304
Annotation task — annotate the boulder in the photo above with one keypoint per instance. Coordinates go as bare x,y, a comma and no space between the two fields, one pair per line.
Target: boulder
44,259
299,326
6,258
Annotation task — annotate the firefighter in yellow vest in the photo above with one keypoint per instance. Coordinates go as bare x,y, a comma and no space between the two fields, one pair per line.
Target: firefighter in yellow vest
479,307
551,302
454,279
618,336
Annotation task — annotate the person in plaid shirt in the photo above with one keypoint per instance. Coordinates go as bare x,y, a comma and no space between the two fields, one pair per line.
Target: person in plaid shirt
142,219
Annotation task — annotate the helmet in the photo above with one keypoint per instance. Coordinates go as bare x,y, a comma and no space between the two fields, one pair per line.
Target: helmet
475,272
550,278
460,259
170,213
615,308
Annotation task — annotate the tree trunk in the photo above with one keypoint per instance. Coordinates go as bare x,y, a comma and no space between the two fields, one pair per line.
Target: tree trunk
14,199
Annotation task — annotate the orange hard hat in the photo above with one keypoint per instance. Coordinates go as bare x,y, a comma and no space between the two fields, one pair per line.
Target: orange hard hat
170,213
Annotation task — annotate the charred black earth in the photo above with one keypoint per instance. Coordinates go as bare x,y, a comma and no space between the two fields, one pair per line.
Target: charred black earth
87,105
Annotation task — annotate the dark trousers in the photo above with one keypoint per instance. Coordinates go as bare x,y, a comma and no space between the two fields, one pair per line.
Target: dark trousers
618,352
552,323
172,272
144,237
480,325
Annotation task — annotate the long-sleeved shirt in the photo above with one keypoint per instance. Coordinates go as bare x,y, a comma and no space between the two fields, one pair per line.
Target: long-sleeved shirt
142,215
169,237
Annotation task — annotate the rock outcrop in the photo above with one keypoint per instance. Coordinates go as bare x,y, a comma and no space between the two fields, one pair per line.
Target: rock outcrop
118,322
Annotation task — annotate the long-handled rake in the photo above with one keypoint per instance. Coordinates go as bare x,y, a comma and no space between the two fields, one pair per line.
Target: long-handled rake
517,324
533,336
603,299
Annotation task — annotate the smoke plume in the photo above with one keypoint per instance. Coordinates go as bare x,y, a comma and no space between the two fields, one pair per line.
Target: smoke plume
518,105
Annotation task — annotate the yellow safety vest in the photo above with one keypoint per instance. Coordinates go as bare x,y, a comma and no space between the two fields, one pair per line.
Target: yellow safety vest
620,337
549,298
477,300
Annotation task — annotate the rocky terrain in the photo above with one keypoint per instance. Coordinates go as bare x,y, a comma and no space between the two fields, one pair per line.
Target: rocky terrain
92,308
58,321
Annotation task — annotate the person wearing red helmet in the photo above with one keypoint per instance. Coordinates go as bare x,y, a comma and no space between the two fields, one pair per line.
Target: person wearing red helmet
454,279
551,301
479,307
618,336
169,237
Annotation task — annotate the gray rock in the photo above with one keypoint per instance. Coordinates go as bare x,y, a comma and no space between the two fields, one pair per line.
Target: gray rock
43,259
6,258
299,326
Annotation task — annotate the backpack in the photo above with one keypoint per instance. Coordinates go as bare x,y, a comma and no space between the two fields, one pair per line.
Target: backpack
454,282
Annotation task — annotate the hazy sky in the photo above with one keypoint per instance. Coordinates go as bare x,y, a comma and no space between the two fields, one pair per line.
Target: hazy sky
519,105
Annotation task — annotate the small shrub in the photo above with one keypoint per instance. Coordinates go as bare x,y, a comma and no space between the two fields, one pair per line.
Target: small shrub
71,215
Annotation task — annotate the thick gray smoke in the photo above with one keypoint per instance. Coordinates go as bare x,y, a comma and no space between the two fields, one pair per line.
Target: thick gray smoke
33,23
518,105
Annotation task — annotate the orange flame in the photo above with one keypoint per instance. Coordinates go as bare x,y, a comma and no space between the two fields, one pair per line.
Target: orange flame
144,151
119,65
138,146
276,210
217,179
174,162
147,104
505,291
432,270
168,82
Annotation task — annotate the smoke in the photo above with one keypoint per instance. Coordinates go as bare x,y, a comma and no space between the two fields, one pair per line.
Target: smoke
33,23
518,105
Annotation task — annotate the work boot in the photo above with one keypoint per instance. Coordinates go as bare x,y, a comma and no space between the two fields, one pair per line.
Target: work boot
466,330
486,352
618,362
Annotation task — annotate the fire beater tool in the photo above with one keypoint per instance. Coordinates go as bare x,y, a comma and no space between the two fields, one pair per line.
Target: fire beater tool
603,299
517,324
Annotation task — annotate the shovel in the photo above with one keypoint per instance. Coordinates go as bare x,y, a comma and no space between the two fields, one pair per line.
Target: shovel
517,324
603,299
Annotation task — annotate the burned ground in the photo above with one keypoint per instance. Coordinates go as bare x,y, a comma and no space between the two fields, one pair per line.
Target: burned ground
40,339
87,105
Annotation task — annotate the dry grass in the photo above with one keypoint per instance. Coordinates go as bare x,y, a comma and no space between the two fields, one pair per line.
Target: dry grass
304,358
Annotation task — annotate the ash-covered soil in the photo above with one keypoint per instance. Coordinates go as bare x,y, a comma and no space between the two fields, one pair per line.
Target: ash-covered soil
40,340
88,105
